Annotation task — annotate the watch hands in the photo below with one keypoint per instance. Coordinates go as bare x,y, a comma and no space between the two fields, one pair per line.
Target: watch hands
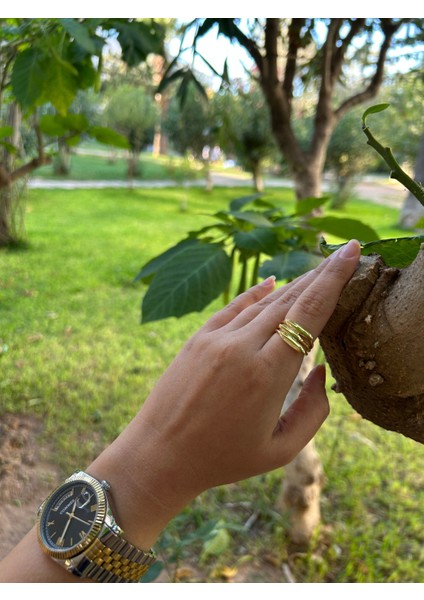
71,516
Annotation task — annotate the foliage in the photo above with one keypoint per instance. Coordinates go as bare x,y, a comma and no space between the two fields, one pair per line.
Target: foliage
292,55
191,126
191,274
131,111
46,62
398,252
245,130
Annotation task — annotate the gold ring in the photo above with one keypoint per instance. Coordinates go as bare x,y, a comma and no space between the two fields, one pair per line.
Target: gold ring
295,336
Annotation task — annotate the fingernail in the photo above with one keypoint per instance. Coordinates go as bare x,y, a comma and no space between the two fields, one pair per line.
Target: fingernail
269,282
349,250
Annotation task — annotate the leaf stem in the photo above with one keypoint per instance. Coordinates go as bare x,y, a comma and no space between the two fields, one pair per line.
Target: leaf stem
396,171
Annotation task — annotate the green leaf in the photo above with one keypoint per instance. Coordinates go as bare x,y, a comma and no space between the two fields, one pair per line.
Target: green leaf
105,135
289,265
153,573
239,203
60,85
138,40
374,109
396,252
52,125
187,283
6,131
217,545
344,228
150,269
260,239
28,77
250,216
80,33
60,125
307,205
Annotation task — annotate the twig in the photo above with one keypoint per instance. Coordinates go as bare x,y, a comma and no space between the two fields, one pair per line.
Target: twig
396,171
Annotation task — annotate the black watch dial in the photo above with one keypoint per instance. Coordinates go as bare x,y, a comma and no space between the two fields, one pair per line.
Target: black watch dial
71,516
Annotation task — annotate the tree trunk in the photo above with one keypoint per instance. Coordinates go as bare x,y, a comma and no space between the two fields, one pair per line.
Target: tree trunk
62,163
10,212
304,478
373,344
258,182
412,210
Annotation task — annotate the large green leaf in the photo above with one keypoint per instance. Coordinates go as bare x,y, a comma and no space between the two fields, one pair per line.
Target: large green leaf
139,39
250,216
307,205
152,266
344,228
61,84
28,77
260,239
187,283
396,252
80,33
105,135
289,265
239,203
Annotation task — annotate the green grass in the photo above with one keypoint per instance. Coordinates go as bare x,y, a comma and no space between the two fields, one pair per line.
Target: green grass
74,354
98,167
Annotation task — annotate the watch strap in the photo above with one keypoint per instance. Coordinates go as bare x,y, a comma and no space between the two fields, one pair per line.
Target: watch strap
112,559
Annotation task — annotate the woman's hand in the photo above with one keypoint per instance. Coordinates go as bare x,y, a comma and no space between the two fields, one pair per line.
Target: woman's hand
214,416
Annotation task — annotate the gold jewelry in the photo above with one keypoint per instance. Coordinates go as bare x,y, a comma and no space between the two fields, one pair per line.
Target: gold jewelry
295,336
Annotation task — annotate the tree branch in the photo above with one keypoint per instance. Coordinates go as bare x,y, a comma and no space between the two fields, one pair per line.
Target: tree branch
294,45
272,29
389,29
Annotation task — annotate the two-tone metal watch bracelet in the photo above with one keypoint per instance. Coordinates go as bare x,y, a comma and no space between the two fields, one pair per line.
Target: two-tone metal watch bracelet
111,559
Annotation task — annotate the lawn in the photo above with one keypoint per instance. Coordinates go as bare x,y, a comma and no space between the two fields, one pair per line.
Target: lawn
73,352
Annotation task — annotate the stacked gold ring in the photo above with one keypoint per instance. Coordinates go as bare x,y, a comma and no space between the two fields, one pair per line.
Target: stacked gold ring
295,336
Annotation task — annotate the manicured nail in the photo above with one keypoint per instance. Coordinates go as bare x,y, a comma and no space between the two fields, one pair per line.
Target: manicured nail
349,250
269,282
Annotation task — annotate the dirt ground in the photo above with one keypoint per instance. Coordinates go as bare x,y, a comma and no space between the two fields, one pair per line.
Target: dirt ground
26,477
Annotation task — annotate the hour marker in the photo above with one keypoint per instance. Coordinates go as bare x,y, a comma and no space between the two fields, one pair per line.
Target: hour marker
93,508
49,523
81,534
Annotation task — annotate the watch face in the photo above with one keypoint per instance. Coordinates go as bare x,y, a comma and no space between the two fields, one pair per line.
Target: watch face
72,517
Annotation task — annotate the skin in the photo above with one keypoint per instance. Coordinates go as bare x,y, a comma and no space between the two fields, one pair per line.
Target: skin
214,417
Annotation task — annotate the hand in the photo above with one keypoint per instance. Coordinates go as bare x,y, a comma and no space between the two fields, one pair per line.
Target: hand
215,415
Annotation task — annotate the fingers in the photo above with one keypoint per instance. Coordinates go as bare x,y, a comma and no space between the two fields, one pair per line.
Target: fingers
239,304
298,425
315,304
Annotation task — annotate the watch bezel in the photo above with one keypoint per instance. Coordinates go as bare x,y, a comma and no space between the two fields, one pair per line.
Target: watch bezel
92,535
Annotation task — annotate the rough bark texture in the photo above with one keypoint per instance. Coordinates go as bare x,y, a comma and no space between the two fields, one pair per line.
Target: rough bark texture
373,344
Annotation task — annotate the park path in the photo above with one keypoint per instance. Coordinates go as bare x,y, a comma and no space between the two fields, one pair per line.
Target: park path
381,190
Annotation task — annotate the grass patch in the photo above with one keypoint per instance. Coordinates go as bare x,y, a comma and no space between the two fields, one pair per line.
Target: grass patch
114,167
72,351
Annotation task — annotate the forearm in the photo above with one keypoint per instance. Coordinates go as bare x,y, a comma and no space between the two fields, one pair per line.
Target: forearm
144,495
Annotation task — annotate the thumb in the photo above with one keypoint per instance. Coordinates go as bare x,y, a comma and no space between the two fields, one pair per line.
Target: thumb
298,425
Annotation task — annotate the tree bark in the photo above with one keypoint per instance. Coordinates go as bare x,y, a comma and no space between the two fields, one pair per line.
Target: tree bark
373,344
412,210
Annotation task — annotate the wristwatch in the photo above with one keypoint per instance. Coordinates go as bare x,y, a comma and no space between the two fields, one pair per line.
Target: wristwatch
77,529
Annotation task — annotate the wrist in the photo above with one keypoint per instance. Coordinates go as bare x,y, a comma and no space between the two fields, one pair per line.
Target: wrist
148,487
